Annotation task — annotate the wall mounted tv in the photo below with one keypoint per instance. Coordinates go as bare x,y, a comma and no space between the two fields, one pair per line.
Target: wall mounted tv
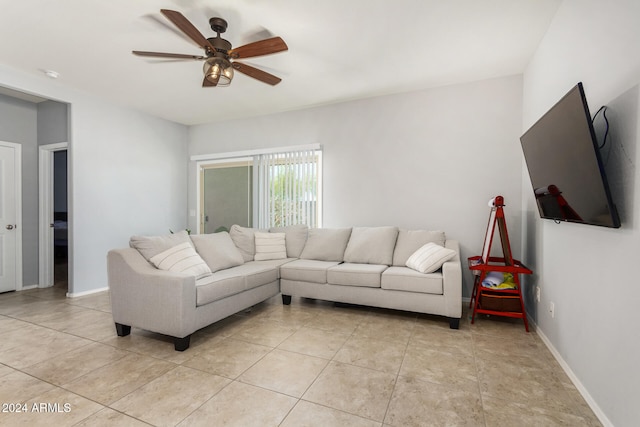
565,166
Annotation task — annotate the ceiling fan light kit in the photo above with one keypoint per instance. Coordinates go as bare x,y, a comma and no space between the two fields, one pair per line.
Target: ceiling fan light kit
218,68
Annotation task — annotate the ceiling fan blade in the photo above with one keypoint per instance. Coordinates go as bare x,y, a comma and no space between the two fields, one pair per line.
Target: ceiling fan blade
167,55
208,83
257,74
262,47
187,27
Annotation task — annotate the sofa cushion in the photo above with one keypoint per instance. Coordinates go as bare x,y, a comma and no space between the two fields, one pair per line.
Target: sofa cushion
256,273
296,237
269,246
217,250
326,244
244,239
307,270
220,284
181,258
410,241
406,279
149,246
429,258
356,274
371,245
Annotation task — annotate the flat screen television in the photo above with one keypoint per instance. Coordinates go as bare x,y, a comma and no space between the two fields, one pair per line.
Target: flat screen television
564,163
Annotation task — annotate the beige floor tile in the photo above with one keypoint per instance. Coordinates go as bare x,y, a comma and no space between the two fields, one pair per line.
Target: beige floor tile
5,370
285,372
18,387
242,405
450,340
359,391
40,345
67,367
170,398
56,407
393,332
502,347
447,368
422,403
229,358
307,414
537,387
385,356
117,379
107,417
314,342
92,324
99,301
506,413
270,334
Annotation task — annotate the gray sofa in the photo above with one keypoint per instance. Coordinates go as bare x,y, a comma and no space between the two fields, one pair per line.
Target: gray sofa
177,284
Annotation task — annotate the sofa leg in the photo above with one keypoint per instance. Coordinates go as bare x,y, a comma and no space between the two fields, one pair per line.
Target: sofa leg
286,299
454,323
181,344
122,330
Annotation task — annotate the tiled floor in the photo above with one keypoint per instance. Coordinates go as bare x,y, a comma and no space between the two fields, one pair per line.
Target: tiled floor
307,364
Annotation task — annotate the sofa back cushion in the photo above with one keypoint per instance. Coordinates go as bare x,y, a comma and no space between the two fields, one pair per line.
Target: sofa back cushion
150,246
217,250
244,239
371,245
295,238
410,241
326,244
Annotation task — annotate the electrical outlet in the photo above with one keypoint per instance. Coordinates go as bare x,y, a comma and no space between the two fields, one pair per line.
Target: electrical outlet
538,293
552,309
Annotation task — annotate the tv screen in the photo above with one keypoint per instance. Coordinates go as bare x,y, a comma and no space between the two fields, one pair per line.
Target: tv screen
565,167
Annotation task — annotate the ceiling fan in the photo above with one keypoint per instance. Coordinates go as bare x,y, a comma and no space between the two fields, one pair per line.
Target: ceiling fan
218,65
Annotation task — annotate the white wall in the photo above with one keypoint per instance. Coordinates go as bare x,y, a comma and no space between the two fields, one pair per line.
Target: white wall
429,159
18,124
590,272
128,176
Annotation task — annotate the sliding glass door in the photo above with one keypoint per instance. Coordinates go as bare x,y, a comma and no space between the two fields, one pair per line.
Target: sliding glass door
226,195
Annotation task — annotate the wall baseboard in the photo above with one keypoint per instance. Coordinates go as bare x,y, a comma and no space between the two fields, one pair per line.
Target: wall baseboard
574,379
85,293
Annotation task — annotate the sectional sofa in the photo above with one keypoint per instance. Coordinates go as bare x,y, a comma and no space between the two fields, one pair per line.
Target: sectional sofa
177,284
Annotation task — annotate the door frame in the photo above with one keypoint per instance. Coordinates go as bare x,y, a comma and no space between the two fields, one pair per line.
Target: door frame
45,215
18,189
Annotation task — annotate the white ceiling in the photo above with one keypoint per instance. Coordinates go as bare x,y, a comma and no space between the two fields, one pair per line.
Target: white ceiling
338,49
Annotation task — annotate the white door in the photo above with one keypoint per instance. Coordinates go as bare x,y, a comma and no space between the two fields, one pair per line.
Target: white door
9,155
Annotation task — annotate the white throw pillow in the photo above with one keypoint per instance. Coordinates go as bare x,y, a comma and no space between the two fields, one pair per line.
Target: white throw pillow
429,258
182,258
270,246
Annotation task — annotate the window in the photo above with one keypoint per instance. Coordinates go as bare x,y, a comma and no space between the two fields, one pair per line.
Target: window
262,189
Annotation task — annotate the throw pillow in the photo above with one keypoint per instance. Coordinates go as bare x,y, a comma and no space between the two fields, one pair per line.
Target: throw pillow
429,258
326,244
244,240
182,258
217,250
295,238
371,245
149,246
270,246
410,241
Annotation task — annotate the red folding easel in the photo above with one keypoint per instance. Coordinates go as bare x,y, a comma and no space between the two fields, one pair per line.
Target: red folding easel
497,302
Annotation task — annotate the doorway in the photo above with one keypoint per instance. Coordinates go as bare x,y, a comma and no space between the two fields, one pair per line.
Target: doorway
54,221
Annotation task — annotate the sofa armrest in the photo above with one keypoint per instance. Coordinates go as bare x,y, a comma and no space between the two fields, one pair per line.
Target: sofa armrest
145,297
452,281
